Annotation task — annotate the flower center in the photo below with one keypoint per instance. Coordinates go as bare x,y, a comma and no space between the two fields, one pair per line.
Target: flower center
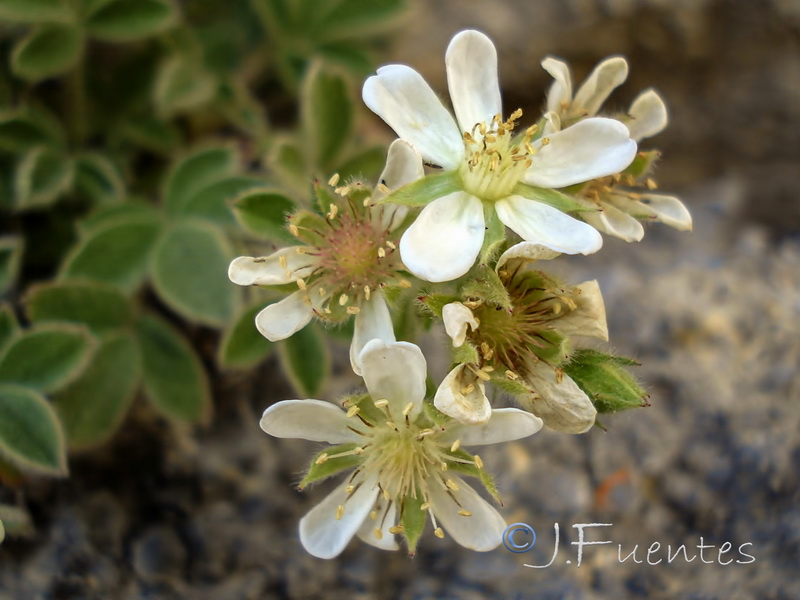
494,160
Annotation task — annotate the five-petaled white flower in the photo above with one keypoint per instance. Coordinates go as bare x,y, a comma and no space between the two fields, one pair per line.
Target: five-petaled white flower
406,458
346,261
621,206
498,176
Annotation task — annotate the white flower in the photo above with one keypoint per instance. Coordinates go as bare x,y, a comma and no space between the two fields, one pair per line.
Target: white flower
405,464
520,350
342,276
492,168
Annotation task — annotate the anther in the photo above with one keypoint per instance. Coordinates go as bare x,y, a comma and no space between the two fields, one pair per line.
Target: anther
282,261
333,211
353,411
294,230
381,252
439,533
301,284
465,513
511,375
651,183
456,445
451,484
367,292
353,310
349,489
386,495
467,389
321,458
343,299
333,180
383,188
404,283
339,512
391,244
407,410
425,506
342,191
559,375
378,533
478,461
443,466
373,515
396,529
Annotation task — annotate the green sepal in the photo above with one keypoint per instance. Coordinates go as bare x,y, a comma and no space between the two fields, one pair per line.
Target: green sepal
433,414
469,468
435,303
413,520
514,387
553,346
310,226
331,466
426,190
485,284
604,379
553,198
31,437
466,354
642,163
366,408
494,236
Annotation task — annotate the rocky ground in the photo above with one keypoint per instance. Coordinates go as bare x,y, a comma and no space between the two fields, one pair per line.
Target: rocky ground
714,316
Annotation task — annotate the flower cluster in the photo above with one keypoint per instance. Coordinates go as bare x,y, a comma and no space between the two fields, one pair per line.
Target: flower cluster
556,184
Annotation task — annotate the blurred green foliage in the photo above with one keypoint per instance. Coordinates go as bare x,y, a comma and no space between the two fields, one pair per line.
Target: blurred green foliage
143,145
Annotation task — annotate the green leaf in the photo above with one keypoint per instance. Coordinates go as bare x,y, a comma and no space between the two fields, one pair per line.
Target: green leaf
242,346
642,163
305,360
99,179
47,51
553,198
351,17
263,212
604,379
487,286
195,172
153,134
114,214
330,466
495,234
93,406
42,176
115,253
10,259
125,20
290,164
514,387
30,434
190,273
327,115
465,354
213,202
413,520
34,11
182,85
426,190
174,379
26,127
47,357
99,306
8,325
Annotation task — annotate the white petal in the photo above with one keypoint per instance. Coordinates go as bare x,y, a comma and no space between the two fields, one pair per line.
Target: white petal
482,531
648,115
325,536
444,241
562,405
402,98
403,165
669,210
372,322
526,251
560,93
613,221
598,86
453,399
284,266
313,420
456,318
471,62
395,371
387,516
589,149
542,224
589,316
285,318
504,425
